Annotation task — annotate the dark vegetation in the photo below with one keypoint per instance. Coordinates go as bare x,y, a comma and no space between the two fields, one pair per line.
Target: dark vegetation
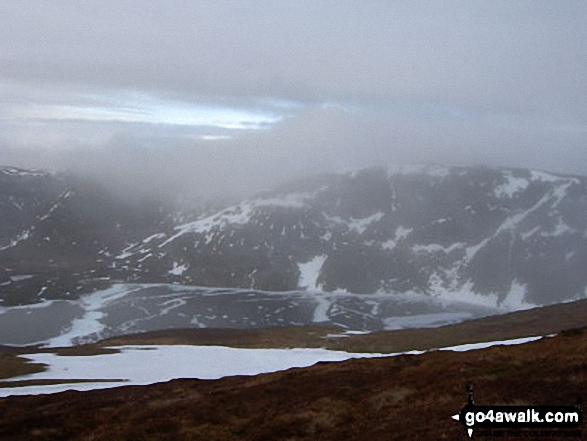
397,398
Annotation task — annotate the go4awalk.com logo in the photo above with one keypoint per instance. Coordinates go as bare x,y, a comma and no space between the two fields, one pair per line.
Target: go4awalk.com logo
535,421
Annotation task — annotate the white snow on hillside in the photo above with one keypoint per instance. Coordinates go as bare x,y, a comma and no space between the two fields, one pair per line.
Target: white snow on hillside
13,171
410,169
488,344
515,300
356,224
240,214
291,200
511,223
360,225
127,252
91,324
20,238
142,365
309,273
237,215
436,248
21,277
323,305
177,269
512,186
559,229
153,237
400,234
530,233
544,176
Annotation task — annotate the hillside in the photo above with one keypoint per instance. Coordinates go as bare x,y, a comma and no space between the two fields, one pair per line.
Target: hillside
507,237
397,398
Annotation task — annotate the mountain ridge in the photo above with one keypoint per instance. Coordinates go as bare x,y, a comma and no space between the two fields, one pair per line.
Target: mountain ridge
502,236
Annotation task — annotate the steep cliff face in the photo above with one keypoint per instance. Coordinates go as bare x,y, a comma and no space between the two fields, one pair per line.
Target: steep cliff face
498,235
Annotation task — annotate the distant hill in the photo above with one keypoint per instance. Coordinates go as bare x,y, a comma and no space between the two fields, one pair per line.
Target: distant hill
495,236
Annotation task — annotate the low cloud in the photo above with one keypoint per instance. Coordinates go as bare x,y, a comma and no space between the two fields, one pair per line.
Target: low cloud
316,140
108,89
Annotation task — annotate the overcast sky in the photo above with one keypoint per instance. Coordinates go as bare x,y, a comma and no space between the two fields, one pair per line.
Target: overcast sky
216,95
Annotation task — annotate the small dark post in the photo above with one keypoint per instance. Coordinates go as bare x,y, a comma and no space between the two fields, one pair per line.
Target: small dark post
469,389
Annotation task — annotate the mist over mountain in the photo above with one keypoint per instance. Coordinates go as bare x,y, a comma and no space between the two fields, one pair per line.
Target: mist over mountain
370,177
492,235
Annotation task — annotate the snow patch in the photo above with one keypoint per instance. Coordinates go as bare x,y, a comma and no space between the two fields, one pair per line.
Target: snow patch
141,365
561,191
127,252
290,200
471,251
323,304
463,293
435,248
512,186
488,344
543,176
90,323
412,169
41,305
172,304
20,238
145,257
310,271
237,215
154,236
515,299
21,277
56,204
178,270
527,234
511,223
354,224
400,234
13,171
559,229
240,214
360,225
388,244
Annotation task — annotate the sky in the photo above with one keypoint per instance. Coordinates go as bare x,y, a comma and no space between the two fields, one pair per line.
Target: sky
216,97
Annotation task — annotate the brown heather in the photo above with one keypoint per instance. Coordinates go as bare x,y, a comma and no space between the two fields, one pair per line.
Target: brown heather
397,398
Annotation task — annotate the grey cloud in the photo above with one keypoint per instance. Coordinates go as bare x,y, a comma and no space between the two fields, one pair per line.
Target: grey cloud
316,140
502,53
498,82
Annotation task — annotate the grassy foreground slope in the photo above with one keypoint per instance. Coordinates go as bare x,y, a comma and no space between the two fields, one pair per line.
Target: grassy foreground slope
396,398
